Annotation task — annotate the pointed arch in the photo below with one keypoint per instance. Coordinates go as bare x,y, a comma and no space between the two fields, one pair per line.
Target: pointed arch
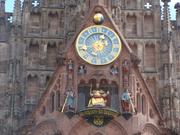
83,95
143,105
47,80
53,23
114,96
148,25
58,100
52,102
113,128
150,129
138,102
32,88
131,4
33,55
51,55
46,127
35,22
103,84
150,56
131,24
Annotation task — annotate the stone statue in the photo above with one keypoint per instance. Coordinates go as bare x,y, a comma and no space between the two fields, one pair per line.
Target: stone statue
126,101
98,98
70,100
81,70
114,70
70,65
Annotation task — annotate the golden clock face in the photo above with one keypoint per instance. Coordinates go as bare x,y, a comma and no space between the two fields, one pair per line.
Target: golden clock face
98,45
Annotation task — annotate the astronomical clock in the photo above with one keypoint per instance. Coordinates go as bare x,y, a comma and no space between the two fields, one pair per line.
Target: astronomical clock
98,45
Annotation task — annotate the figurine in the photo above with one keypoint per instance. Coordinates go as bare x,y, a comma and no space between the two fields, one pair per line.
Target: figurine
81,70
114,70
70,65
126,101
70,100
98,98
125,66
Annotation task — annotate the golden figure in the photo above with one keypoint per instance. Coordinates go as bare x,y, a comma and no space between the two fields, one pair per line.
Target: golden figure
98,98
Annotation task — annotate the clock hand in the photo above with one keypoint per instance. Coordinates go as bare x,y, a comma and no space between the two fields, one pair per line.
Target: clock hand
84,48
102,39
93,53
105,42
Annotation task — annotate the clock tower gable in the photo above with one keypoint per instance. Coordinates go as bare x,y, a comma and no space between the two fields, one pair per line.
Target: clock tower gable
83,87
97,17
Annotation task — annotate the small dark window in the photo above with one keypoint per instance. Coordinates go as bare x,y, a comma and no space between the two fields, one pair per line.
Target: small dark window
138,103
52,101
143,105
58,100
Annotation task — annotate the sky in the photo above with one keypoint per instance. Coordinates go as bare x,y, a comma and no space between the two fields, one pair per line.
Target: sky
10,4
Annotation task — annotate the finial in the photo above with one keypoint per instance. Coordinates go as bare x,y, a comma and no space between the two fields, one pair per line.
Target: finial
3,1
166,0
92,3
177,6
17,13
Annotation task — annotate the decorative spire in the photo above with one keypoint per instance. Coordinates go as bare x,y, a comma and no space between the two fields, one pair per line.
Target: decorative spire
92,3
177,7
166,21
17,13
2,6
3,27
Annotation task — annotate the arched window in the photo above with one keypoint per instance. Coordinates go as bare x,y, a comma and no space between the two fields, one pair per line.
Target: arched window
138,98
35,23
52,101
83,94
53,24
51,55
33,55
113,97
150,57
58,100
47,80
32,88
131,4
143,105
103,84
131,26
148,25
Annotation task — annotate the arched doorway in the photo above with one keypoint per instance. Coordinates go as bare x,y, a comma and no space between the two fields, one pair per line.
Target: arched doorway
82,128
150,129
45,128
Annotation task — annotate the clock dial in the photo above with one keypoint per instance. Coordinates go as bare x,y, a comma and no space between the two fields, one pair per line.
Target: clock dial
98,45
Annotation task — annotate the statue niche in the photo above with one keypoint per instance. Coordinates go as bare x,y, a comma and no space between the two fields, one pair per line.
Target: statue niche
94,95
98,101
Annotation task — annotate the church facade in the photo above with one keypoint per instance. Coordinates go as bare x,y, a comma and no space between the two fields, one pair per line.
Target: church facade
89,67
